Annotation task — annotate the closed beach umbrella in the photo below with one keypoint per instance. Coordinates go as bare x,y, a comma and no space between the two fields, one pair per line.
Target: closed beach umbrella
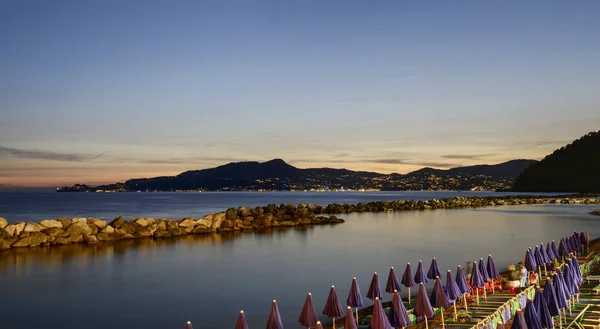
500,325
398,316
452,291
560,290
550,252
563,249
476,280
530,261
491,269
485,276
576,270
420,275
541,308
241,321
407,280
274,317
519,321
319,325
539,259
532,319
349,322
392,282
461,282
434,270
333,309
422,305
379,320
374,290
308,316
569,279
546,258
555,250
583,240
551,298
354,297
438,298
188,325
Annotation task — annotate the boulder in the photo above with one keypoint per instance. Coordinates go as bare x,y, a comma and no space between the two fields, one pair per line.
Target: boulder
78,228
117,222
243,212
55,232
108,229
162,234
203,223
33,240
33,227
127,228
127,236
202,230
49,223
99,223
3,222
228,224
6,243
217,220
79,220
286,223
103,236
596,212
91,239
15,229
161,226
231,214
187,222
141,222
171,224
4,234
65,222
143,232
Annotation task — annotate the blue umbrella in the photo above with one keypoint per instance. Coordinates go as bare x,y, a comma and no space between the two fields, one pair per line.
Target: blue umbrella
407,280
354,297
582,239
577,241
532,319
398,316
541,308
333,309
569,280
434,270
392,282
422,305
544,254
576,270
491,269
539,259
574,243
452,291
379,319
188,325
563,249
519,321
420,275
560,290
476,280
374,290
308,316
461,282
274,317
529,261
551,298
555,250
438,298
241,322
483,271
349,322
550,252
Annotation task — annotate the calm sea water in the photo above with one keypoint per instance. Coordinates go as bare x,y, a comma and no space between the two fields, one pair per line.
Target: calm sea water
160,284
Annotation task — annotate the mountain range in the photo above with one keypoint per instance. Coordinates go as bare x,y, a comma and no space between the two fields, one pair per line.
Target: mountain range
277,175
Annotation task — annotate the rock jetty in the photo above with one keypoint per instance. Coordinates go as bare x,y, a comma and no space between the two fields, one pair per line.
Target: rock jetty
63,231
596,212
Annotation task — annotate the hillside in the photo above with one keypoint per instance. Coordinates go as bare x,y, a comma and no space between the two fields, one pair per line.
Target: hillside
278,175
572,168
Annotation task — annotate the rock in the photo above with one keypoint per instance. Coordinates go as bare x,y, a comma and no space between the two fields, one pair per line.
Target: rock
117,222
91,239
596,212
4,234
100,224
286,223
49,223
128,236
187,222
161,226
141,222
202,230
76,238
203,223
127,228
231,214
243,212
5,244
3,222
162,234
102,236
62,241
108,229
94,228
143,232
176,232
15,229
55,232
227,224
79,220
217,220
79,227
171,224
33,240
33,227
65,222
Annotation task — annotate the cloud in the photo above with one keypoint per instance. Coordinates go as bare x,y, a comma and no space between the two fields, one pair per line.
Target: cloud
7,152
412,163
467,156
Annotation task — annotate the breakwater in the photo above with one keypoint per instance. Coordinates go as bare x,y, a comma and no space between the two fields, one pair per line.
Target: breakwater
63,231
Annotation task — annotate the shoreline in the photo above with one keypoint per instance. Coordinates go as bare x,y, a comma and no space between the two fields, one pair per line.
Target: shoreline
63,231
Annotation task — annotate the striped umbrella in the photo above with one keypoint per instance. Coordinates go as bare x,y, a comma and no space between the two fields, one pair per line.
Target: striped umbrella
374,290
407,280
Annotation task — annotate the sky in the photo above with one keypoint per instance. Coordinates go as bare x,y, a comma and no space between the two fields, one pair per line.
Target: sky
103,91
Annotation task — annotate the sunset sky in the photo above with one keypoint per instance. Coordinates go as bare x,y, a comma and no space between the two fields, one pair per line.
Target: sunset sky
102,91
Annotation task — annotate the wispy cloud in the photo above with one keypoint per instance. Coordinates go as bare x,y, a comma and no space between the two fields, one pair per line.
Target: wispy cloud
8,152
467,156
412,163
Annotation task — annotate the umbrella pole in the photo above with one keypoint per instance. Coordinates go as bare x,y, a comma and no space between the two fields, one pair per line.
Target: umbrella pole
442,315
357,315
484,293
545,272
477,290
333,324
455,312
408,296
493,288
426,325
465,300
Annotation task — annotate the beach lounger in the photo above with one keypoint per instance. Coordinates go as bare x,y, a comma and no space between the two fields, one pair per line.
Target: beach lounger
592,278
596,289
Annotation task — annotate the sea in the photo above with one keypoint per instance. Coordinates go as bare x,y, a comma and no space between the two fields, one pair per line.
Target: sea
208,279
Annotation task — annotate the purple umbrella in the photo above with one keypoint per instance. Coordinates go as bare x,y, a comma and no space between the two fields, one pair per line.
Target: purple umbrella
491,269
438,298
563,249
483,271
529,261
476,280
354,298
452,291
308,316
274,317
575,238
188,325
333,309
519,321
398,316
392,282
407,280
555,250
374,290
422,305
349,322
461,282
576,270
500,325
379,319
551,298
532,319
569,280
560,290
539,259
550,252
319,325
434,271
546,258
241,322
583,240
420,274
541,308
